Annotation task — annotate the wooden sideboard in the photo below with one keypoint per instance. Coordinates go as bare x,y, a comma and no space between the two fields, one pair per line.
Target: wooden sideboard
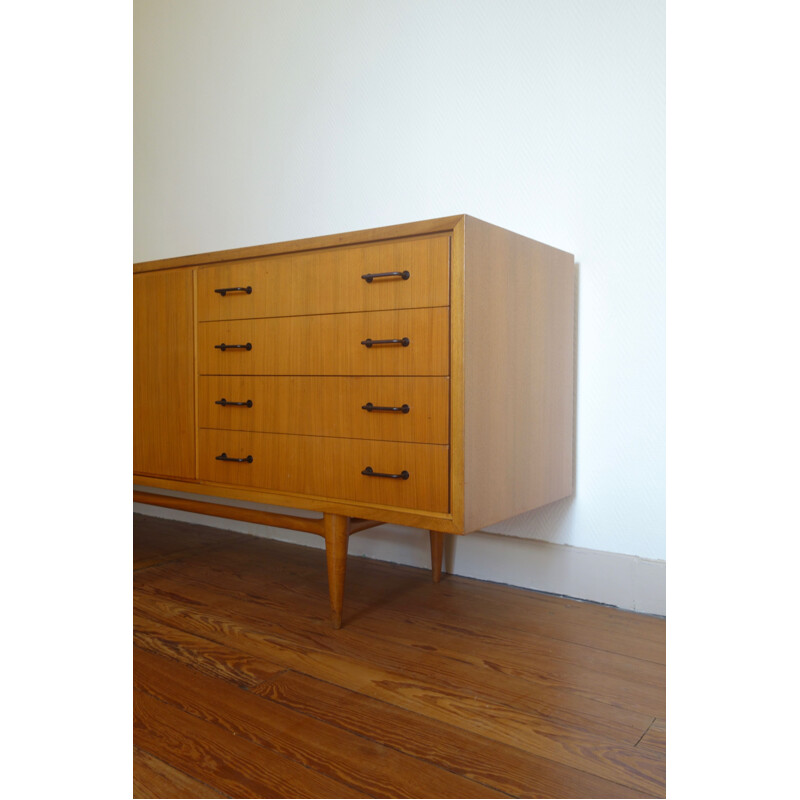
419,374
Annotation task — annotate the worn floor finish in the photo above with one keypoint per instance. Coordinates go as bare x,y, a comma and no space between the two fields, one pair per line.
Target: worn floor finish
462,689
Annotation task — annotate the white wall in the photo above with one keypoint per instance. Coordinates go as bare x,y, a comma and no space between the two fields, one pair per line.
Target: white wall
259,121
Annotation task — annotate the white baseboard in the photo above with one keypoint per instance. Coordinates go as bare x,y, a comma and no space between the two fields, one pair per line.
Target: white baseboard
629,582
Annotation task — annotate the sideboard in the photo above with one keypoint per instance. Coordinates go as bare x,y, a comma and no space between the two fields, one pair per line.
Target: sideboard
419,374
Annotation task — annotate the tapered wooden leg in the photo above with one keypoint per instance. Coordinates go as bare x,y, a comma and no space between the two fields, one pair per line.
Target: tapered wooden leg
437,550
336,536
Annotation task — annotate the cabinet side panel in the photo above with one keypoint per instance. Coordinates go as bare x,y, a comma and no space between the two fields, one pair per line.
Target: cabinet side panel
163,374
518,374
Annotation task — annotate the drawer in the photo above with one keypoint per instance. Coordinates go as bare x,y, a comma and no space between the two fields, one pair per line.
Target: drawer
329,468
329,406
328,281
329,344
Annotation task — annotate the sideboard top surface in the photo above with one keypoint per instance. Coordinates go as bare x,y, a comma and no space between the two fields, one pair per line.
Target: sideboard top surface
438,225
421,228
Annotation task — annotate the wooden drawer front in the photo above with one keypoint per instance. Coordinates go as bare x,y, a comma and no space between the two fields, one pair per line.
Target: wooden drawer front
329,344
329,468
329,406
328,281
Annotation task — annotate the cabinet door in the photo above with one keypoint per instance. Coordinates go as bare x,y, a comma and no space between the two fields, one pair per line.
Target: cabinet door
163,374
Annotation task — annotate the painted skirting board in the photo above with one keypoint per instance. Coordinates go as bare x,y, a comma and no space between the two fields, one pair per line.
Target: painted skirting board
624,581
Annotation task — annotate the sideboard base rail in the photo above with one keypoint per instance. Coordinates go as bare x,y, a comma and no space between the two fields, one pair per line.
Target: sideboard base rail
334,528
257,516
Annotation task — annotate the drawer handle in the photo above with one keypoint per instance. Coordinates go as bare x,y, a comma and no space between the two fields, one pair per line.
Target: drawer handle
405,341
403,408
224,402
225,457
225,347
369,277
369,472
245,289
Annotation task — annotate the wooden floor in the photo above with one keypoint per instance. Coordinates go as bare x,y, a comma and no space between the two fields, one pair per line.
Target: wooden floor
461,689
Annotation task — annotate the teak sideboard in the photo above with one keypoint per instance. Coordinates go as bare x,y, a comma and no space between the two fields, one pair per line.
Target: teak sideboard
419,374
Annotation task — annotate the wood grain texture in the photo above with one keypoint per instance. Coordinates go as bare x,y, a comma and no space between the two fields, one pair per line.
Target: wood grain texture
163,374
329,344
201,654
655,739
520,693
408,229
369,768
153,777
575,740
509,769
404,668
329,406
518,374
328,467
232,764
328,281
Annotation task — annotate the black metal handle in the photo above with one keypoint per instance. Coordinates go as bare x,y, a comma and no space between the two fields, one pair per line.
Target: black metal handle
369,277
245,289
225,347
224,402
403,408
405,341
369,472
224,457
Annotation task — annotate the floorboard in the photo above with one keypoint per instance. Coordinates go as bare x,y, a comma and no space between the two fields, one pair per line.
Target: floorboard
368,767
155,778
462,689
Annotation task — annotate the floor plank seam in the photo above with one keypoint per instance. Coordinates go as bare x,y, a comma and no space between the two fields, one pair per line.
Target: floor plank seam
466,581
404,710
499,704
143,613
462,774
246,598
215,789
463,691
252,690
388,746
211,673
243,735
604,650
